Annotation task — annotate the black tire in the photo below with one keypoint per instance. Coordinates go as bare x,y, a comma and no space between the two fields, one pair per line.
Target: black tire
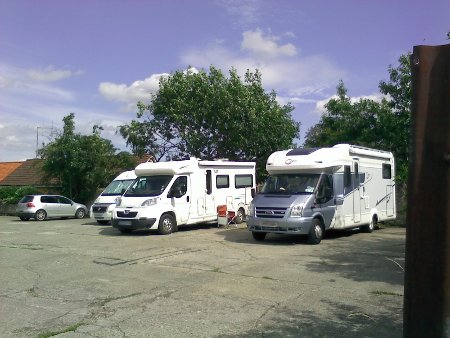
368,228
240,216
40,215
102,222
259,236
167,224
316,232
81,213
125,231
24,218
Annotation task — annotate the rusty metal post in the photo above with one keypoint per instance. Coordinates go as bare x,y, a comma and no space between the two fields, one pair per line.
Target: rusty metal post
427,272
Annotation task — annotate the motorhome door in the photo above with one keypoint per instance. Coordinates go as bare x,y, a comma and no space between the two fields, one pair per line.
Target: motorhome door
356,193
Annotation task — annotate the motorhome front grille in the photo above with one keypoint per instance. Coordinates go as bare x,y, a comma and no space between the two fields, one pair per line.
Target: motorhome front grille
129,214
99,208
270,212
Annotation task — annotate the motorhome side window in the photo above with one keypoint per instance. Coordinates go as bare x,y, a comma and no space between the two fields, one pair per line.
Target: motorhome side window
243,181
179,187
208,182
348,182
222,181
387,173
325,188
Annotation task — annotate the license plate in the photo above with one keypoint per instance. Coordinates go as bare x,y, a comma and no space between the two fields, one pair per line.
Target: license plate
269,225
124,222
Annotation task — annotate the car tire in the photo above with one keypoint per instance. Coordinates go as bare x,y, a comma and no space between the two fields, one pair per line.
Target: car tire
167,224
316,232
40,215
240,216
259,236
80,213
368,228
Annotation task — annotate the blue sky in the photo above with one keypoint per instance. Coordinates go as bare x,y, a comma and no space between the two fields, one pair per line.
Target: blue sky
97,58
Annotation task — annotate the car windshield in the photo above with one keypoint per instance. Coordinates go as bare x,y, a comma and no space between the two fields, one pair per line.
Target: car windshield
117,187
290,184
148,186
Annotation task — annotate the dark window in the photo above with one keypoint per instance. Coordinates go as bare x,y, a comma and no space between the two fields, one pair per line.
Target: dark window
222,181
179,187
208,182
243,181
64,200
387,172
325,189
347,176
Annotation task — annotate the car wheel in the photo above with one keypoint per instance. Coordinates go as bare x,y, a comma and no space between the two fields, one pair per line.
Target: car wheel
24,218
40,215
80,213
369,227
167,224
316,232
259,236
240,216
102,222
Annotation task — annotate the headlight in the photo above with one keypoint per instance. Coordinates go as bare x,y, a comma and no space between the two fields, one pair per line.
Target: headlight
297,210
118,200
150,201
251,209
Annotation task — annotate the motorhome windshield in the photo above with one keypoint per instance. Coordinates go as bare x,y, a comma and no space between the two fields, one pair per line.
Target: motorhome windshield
290,184
148,186
116,188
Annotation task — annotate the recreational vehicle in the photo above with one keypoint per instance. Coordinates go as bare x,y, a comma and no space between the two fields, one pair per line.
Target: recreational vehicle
166,195
309,191
103,206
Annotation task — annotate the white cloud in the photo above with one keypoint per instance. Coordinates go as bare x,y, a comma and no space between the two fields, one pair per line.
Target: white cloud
266,46
139,90
50,74
282,68
245,12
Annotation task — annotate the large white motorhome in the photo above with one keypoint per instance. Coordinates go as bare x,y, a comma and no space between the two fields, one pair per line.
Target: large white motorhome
103,206
309,191
166,195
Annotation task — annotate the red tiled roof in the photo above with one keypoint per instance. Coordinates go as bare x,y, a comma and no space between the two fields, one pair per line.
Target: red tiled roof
7,168
28,173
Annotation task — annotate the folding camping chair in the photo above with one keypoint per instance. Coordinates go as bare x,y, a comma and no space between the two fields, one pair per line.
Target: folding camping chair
225,216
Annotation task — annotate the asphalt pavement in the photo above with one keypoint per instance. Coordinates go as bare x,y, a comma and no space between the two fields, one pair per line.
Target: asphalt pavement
74,278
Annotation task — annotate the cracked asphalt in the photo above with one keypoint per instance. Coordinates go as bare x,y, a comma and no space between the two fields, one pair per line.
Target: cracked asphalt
74,278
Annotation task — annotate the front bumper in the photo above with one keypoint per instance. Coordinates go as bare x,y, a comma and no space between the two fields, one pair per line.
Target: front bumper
133,224
300,225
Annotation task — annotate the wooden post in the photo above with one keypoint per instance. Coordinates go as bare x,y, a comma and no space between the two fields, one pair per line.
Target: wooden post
427,272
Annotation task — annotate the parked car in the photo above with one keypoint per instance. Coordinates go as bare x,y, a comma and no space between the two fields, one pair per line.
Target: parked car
41,207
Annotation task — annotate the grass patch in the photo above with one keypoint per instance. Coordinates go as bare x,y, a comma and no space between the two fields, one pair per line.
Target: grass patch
385,293
71,328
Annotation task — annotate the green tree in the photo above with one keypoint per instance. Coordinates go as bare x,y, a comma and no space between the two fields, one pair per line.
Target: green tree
210,115
383,125
82,163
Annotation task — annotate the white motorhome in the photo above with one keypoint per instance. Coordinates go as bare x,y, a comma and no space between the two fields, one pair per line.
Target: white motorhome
103,206
166,195
309,191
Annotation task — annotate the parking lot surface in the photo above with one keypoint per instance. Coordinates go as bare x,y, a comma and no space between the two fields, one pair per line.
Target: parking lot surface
74,278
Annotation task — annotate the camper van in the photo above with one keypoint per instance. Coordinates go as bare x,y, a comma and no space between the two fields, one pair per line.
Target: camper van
309,191
103,206
166,195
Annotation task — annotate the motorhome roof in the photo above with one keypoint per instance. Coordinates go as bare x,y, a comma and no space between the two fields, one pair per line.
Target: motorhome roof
319,159
184,166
